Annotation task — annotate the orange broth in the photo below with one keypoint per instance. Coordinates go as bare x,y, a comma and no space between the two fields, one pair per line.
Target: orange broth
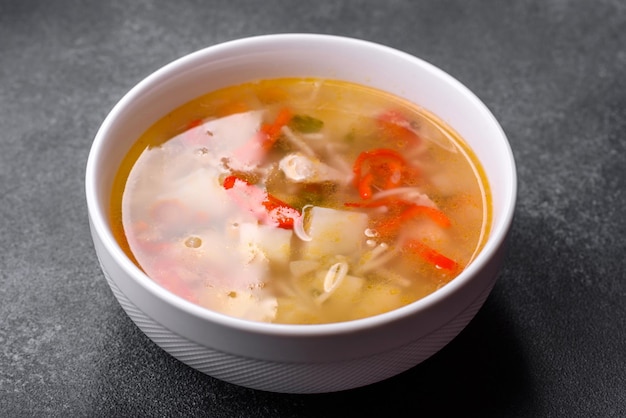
301,201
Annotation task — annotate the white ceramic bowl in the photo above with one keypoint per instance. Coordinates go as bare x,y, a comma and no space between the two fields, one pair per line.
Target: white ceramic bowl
300,358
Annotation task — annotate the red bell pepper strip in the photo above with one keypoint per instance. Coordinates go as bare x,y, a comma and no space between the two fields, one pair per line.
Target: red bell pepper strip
431,256
229,182
385,167
271,131
390,201
283,214
434,214
392,224
365,186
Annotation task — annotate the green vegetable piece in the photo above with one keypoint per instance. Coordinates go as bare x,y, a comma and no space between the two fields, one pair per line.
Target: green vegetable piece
306,124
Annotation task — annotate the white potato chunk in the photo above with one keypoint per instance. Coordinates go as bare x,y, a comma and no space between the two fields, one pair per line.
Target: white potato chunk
234,138
232,132
334,232
265,242
249,304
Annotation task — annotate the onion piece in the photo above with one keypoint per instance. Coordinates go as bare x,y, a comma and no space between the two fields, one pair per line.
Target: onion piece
298,225
294,139
379,256
333,279
314,136
394,277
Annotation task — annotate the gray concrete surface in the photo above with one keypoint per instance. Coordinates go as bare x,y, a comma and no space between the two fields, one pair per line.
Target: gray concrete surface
550,340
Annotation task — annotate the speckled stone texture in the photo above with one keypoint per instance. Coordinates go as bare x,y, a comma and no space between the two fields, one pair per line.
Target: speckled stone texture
550,340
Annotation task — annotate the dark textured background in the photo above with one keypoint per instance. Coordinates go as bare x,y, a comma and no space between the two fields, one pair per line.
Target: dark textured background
550,340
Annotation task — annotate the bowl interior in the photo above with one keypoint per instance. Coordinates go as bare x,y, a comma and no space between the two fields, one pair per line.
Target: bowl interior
307,56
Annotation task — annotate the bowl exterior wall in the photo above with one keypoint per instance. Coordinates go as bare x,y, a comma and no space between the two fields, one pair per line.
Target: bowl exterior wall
269,356
304,377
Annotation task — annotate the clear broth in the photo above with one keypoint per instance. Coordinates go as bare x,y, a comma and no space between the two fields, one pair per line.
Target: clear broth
301,201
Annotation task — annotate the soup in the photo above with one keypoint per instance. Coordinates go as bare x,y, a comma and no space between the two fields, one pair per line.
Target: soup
300,201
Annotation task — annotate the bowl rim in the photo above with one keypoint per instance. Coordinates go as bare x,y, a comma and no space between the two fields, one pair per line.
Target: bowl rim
99,220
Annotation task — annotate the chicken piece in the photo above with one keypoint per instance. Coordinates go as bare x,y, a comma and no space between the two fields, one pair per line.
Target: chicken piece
300,168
